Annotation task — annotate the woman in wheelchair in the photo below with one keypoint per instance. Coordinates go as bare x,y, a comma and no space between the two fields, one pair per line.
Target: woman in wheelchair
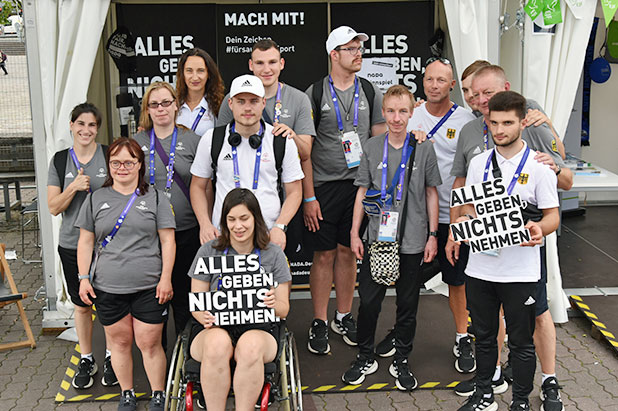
243,231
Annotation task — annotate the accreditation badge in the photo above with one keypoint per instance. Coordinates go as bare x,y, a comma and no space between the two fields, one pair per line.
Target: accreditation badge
352,149
388,226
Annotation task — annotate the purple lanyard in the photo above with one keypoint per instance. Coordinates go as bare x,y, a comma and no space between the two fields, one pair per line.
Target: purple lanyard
120,220
198,118
220,281
76,162
170,165
277,116
485,137
333,95
402,166
256,167
435,129
517,172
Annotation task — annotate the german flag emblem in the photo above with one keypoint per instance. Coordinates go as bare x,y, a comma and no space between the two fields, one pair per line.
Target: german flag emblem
554,146
450,133
523,178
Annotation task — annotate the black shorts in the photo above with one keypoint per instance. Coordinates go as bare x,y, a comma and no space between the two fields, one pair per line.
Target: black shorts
541,286
68,258
235,331
142,305
337,205
451,275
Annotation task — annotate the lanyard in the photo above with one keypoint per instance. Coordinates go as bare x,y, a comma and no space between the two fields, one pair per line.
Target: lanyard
170,165
442,121
76,162
277,115
517,171
220,281
198,118
402,166
333,95
485,138
120,220
256,167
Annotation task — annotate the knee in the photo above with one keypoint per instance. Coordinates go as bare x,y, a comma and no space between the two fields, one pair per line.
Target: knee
324,257
544,320
121,342
148,343
248,354
217,350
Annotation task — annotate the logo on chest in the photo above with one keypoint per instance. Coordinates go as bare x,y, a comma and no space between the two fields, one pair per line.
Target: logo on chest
523,178
180,146
102,173
450,133
142,206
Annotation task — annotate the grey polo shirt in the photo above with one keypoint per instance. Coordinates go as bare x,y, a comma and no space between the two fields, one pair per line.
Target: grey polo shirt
327,155
96,169
425,173
186,147
470,142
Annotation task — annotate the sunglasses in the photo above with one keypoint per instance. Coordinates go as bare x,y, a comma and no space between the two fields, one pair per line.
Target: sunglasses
440,59
164,103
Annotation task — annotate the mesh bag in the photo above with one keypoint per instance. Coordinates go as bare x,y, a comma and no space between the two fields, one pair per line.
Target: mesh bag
384,261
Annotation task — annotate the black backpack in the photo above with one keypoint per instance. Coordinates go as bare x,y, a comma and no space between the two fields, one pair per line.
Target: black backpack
318,90
60,162
218,135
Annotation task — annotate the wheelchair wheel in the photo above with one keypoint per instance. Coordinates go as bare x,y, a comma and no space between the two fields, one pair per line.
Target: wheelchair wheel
296,390
175,386
284,392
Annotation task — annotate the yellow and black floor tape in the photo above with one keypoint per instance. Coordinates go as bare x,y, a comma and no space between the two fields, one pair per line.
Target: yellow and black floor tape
595,318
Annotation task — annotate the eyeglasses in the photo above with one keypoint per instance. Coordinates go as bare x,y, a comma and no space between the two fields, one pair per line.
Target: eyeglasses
164,103
352,50
440,59
128,165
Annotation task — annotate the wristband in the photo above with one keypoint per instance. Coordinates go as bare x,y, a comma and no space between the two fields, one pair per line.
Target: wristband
433,234
83,277
310,199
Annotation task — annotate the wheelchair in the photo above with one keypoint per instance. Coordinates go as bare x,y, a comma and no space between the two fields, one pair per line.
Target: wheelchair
281,377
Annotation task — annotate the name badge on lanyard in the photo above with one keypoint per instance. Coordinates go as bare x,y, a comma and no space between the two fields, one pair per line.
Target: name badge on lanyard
350,141
388,226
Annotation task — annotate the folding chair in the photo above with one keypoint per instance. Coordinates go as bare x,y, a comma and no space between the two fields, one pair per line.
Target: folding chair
10,295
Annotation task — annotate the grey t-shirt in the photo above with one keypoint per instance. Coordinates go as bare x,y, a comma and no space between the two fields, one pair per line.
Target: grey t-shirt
425,173
295,110
186,146
96,169
470,142
131,262
327,155
272,259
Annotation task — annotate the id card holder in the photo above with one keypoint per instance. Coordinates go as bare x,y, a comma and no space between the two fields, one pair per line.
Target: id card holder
492,253
352,149
388,226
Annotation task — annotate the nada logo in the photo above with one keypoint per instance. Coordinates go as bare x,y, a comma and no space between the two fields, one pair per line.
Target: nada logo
102,173
141,206
179,146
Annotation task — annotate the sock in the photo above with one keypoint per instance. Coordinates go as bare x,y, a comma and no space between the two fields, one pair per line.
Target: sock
459,336
108,353
497,373
546,376
154,393
131,392
340,316
88,355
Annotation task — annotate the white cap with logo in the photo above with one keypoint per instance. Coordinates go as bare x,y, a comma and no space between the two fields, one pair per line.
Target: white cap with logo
247,84
341,35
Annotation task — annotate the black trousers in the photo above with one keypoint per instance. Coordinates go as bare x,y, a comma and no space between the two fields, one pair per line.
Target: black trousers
484,300
187,244
371,296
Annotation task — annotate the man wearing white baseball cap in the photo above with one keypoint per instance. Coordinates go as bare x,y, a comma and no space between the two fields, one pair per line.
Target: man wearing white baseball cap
245,154
347,110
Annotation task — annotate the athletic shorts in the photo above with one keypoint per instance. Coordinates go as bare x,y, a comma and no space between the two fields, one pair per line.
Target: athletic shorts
68,258
337,205
451,275
541,286
235,331
142,305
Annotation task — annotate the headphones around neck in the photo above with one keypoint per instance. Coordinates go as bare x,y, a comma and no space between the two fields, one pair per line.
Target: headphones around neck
255,141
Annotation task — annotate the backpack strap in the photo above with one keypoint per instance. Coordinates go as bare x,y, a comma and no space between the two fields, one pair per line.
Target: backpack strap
370,93
316,98
218,135
279,149
60,162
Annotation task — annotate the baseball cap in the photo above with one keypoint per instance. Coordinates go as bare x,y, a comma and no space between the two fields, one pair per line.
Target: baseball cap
247,84
341,35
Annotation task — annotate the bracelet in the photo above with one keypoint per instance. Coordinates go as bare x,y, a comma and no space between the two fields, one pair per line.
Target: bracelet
83,277
310,199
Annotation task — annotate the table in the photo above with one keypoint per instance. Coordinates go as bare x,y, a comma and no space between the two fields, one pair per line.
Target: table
6,179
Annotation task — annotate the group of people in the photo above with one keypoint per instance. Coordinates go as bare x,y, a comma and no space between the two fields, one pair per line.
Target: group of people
210,174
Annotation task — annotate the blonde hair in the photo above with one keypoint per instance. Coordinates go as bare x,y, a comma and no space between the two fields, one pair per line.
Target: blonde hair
399,91
144,118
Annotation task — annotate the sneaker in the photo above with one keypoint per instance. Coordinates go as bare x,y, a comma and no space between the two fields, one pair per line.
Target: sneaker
157,402
109,376
128,402
386,347
346,327
360,368
404,379
465,362
318,338
507,372
86,369
520,405
550,395
477,402
467,388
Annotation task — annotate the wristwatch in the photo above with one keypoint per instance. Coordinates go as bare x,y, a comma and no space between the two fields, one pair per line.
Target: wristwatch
559,169
283,227
433,233
83,277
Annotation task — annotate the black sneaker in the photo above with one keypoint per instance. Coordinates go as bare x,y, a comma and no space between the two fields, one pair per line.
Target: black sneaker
109,376
360,368
550,395
404,379
478,403
346,328
467,388
507,372
386,347
318,338
85,370
157,401
520,405
465,362
128,402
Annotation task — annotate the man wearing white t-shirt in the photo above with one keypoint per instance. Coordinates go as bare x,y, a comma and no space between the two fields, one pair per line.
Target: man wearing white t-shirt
246,159
508,277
